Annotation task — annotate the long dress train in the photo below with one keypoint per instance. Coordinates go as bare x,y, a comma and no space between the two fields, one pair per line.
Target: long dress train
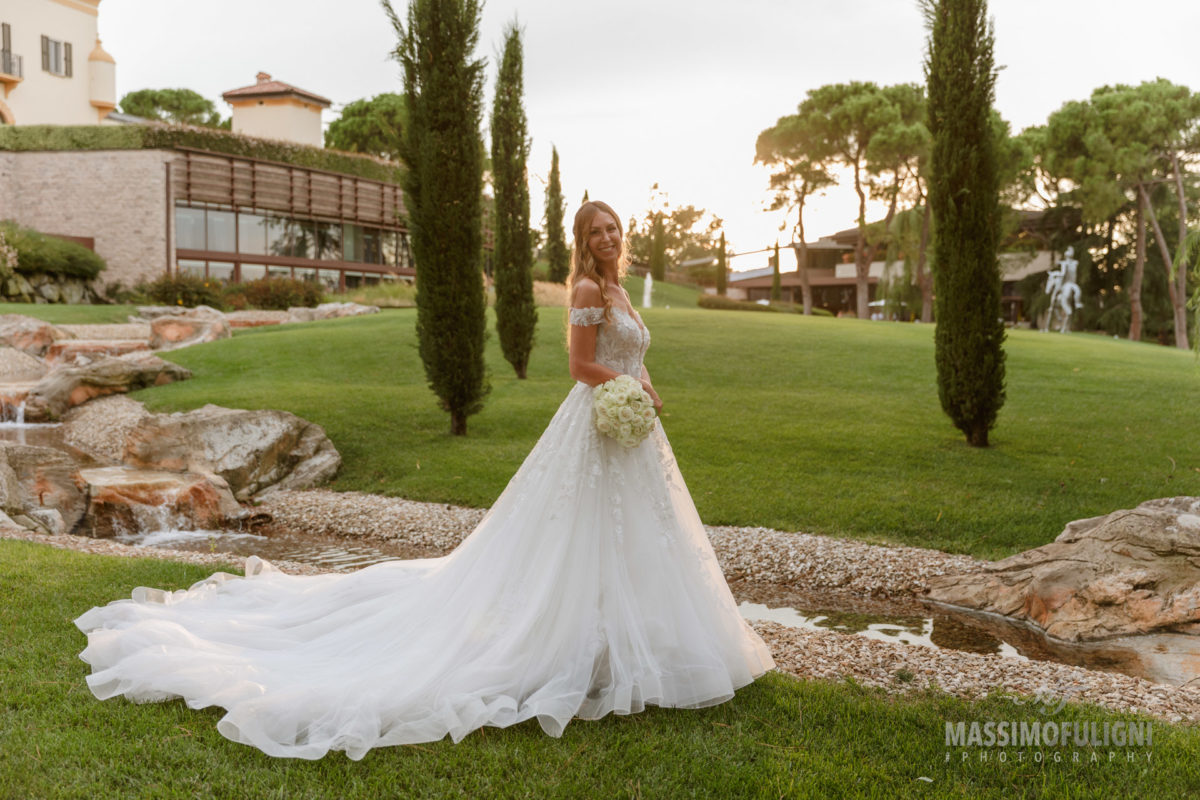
590,587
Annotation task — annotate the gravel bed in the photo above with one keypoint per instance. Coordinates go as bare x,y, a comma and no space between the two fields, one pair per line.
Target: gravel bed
137,330
905,668
100,427
109,547
755,554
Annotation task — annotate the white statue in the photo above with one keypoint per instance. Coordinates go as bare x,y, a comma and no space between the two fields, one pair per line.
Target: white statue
1064,291
646,288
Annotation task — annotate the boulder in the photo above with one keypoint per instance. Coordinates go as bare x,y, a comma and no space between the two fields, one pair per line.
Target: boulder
74,292
99,428
83,351
17,366
1127,573
330,311
27,334
122,500
36,480
170,333
66,387
252,450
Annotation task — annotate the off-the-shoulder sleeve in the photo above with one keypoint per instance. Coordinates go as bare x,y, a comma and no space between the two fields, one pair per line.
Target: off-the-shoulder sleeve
586,316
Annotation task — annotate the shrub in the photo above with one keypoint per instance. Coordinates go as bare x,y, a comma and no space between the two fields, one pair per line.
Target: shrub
716,301
185,290
277,294
167,136
39,253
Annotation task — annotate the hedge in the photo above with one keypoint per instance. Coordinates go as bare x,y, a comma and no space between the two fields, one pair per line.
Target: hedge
159,136
38,253
716,301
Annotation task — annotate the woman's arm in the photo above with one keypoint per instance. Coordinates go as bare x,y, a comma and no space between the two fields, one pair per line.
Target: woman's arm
649,387
583,364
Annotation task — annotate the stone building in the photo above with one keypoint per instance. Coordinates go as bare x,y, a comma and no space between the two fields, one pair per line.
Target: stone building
52,67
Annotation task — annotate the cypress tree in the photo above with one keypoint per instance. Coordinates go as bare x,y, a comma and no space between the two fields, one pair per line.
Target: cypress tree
658,249
964,196
443,190
516,315
776,288
557,252
721,267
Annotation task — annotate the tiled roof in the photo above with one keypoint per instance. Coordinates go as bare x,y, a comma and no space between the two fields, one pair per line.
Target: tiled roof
266,87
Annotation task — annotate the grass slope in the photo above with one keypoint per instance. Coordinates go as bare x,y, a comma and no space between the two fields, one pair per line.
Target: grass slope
778,738
792,422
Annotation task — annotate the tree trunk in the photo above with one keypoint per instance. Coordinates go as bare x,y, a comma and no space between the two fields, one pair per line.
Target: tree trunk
805,286
925,280
1178,303
802,262
1181,272
978,436
1139,267
862,266
458,423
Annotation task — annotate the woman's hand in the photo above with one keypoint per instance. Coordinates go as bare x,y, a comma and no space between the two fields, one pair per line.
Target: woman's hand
653,395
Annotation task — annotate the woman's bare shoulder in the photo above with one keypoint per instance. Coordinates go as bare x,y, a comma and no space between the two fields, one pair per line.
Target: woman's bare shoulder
586,294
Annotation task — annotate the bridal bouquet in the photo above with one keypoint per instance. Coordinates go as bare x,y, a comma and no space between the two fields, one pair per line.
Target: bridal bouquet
623,410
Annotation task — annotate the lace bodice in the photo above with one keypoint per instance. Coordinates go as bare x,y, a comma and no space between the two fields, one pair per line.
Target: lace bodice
620,344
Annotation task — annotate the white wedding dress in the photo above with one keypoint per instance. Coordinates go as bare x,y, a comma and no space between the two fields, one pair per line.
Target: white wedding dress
590,587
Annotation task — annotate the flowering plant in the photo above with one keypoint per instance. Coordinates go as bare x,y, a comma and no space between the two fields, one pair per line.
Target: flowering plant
623,410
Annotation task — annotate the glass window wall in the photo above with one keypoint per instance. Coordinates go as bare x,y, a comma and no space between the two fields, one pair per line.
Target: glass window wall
220,270
253,272
252,234
221,231
189,228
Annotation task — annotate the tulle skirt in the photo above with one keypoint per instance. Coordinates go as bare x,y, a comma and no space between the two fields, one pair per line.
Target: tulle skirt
589,588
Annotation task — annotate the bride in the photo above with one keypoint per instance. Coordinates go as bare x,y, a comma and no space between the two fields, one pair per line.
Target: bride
590,587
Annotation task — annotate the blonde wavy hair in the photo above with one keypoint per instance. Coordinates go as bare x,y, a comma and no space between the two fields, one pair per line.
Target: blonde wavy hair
583,265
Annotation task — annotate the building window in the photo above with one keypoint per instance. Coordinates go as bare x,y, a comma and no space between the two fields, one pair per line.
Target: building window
56,57
221,271
189,228
193,268
221,231
329,241
252,234
252,272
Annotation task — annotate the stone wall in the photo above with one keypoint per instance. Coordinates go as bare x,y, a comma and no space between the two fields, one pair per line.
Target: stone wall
116,197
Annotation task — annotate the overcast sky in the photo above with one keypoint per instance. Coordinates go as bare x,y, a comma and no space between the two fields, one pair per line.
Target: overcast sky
673,92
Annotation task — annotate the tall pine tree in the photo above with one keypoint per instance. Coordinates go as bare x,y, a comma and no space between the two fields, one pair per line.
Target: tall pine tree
658,249
964,196
443,190
516,315
722,266
557,252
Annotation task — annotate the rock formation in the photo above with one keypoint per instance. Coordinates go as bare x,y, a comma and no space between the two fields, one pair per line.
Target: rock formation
1129,572
252,450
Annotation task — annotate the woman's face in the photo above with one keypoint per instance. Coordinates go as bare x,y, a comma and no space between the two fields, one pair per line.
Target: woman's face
604,239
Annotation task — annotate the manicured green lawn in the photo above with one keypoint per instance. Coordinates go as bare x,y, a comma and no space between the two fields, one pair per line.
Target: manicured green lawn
792,422
779,737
